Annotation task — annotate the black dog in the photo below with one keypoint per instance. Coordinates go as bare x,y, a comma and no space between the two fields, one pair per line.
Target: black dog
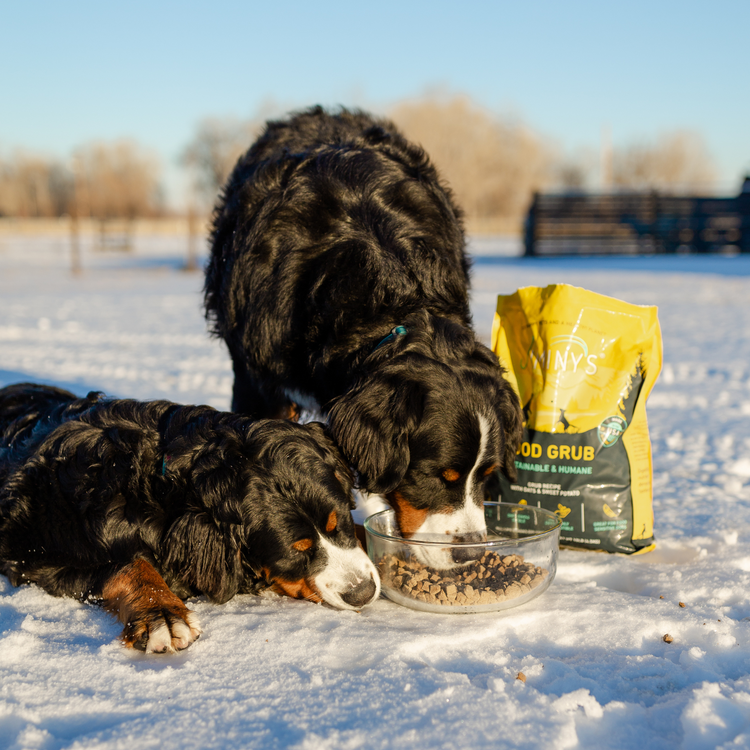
339,280
139,505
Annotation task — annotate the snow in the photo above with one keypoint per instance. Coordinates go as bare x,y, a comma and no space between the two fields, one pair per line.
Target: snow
275,673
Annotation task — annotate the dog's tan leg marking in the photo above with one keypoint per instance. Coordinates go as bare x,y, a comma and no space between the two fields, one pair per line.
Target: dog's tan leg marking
154,619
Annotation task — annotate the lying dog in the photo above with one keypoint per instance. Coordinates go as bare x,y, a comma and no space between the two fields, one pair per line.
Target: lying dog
338,279
137,506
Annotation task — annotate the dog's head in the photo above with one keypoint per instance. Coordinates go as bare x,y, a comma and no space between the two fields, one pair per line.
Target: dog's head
426,427
281,493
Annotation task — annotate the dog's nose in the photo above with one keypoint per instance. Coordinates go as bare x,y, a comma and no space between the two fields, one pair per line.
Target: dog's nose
361,594
467,554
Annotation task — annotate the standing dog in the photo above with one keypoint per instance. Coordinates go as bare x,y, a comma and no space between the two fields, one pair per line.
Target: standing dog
338,279
137,506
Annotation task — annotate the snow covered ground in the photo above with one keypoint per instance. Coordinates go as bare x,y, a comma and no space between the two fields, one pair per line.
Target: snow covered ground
276,673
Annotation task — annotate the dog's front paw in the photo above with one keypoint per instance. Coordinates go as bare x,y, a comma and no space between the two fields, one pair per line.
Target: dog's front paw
162,631
156,621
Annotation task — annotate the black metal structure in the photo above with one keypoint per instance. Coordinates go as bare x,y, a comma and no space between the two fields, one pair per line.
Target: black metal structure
637,223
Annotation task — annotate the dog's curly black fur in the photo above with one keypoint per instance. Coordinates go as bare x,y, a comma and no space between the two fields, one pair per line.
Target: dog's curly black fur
332,230
211,503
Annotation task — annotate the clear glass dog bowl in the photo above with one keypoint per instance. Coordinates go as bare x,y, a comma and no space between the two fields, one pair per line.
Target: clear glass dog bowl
516,563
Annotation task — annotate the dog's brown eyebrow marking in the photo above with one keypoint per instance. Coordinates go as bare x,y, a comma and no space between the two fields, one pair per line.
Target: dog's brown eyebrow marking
302,544
409,518
332,522
492,468
451,475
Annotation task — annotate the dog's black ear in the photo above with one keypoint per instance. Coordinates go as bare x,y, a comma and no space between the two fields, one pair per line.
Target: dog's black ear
509,413
205,555
210,460
203,544
371,424
506,404
331,454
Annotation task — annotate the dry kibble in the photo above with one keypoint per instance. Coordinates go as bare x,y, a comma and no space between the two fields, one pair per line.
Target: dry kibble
514,590
667,638
682,604
483,582
521,676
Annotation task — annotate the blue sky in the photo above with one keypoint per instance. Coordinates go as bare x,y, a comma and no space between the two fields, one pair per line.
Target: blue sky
76,71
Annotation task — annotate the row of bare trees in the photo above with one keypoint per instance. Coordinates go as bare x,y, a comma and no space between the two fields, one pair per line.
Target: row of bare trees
493,164
101,180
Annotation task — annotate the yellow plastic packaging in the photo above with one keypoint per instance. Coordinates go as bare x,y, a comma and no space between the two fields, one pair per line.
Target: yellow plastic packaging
583,366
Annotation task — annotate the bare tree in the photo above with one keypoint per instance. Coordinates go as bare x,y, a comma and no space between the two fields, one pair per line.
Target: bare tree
217,144
117,180
574,172
34,186
492,164
214,150
677,162
120,180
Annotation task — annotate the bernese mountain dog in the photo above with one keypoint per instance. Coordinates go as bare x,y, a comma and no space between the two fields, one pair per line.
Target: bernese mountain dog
139,505
338,278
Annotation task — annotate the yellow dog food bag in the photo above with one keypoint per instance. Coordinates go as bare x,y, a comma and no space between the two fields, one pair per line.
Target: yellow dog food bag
583,365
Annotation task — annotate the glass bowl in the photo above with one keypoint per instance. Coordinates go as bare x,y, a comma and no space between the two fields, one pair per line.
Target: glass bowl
515,564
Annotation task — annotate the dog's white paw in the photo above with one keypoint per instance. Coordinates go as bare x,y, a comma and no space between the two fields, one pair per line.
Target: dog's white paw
163,632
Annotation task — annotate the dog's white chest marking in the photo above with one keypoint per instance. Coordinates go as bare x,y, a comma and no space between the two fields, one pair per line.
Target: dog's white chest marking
305,401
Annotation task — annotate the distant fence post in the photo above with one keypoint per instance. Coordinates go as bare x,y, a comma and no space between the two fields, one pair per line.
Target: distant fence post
192,249
529,227
76,265
75,243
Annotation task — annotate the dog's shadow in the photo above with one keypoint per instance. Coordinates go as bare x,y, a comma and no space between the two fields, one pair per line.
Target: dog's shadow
9,377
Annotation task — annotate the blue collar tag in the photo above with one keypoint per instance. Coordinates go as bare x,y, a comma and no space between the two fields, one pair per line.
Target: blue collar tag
397,331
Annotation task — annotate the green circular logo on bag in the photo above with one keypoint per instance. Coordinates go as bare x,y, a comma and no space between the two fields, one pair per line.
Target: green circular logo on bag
610,430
